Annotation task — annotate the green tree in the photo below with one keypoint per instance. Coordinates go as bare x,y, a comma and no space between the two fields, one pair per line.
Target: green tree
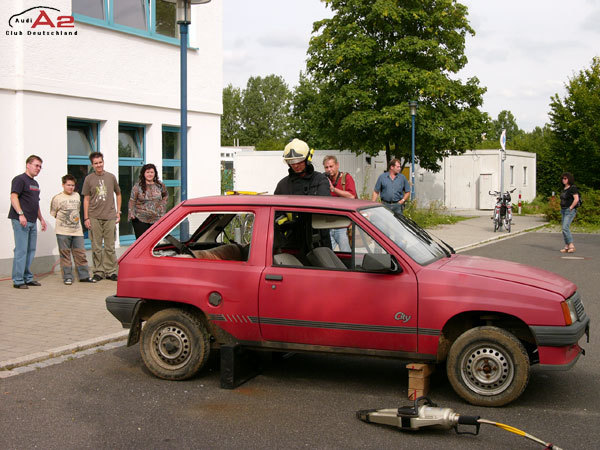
231,123
505,121
576,125
548,167
372,57
265,113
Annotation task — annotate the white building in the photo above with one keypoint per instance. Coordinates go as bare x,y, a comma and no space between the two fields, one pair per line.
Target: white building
260,171
465,180
106,81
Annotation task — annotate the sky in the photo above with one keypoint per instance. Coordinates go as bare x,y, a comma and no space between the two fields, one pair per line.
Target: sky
523,51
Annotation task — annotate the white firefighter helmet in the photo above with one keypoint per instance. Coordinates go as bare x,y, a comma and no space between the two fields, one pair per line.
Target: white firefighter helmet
296,152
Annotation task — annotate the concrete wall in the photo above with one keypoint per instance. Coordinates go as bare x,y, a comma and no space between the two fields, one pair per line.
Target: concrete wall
260,171
464,180
111,77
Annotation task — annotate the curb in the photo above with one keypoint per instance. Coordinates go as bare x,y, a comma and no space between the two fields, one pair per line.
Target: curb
64,350
497,238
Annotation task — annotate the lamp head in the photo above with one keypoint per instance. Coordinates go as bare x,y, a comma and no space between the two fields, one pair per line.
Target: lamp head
412,105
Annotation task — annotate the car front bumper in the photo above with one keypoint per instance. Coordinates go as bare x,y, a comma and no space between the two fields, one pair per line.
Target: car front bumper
558,347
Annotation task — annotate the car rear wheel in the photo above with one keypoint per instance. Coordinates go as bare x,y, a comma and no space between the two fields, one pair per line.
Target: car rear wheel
488,366
174,344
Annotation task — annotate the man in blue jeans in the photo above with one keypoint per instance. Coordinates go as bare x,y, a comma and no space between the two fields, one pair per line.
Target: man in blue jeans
24,213
392,187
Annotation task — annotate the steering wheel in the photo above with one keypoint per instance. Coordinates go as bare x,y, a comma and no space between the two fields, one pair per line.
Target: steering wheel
181,248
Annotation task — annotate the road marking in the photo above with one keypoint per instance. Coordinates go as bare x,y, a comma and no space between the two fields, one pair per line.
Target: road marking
572,257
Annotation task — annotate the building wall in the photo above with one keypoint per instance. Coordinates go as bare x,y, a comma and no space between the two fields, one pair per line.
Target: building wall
110,77
261,171
461,182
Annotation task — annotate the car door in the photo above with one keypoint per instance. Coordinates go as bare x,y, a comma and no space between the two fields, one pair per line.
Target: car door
336,307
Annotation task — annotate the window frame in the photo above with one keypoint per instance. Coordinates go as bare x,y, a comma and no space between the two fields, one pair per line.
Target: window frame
80,160
150,32
128,161
172,162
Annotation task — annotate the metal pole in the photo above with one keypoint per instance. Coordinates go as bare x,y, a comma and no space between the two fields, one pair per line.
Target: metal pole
412,171
183,31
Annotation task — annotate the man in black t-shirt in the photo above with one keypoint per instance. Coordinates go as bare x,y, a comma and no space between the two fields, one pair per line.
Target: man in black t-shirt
24,213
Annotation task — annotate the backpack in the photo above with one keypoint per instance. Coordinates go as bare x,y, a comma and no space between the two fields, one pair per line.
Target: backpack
580,202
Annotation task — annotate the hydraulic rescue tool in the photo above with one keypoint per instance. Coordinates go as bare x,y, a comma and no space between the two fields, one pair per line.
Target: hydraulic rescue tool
428,414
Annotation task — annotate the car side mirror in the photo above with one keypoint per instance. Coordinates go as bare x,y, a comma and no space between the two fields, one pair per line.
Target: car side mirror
380,263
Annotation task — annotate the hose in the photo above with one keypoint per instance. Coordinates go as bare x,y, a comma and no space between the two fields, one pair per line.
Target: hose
514,430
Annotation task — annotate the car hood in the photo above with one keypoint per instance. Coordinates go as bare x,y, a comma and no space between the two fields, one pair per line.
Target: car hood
510,271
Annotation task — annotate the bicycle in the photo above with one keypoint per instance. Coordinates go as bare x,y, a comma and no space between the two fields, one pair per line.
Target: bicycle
502,210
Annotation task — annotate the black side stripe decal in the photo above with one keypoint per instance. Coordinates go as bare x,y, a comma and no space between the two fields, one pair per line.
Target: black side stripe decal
236,318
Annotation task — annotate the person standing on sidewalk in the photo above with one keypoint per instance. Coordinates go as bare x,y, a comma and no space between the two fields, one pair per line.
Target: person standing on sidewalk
569,201
101,217
24,213
148,200
393,187
341,185
69,235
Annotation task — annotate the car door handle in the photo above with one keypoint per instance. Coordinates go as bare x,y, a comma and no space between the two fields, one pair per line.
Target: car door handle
274,277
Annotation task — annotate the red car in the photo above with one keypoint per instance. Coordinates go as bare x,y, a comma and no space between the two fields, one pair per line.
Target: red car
260,271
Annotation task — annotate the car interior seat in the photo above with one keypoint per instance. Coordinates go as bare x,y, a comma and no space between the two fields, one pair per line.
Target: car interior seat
325,257
286,259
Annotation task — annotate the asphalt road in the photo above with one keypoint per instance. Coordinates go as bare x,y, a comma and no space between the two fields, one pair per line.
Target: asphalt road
108,399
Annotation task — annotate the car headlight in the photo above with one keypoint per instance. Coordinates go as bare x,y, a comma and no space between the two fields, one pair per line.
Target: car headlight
569,311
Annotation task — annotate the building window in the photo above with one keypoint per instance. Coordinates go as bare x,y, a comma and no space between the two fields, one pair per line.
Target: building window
90,8
131,13
132,147
524,176
82,139
151,18
512,175
171,163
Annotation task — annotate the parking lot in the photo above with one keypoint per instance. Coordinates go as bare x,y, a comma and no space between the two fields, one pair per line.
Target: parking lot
108,399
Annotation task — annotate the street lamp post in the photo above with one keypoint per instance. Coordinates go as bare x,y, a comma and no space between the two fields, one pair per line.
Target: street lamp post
184,9
412,105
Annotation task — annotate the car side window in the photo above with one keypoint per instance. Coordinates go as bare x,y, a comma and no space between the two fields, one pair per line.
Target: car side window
323,241
212,235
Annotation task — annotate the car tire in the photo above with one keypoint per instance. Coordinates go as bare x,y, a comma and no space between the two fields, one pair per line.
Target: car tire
488,366
174,344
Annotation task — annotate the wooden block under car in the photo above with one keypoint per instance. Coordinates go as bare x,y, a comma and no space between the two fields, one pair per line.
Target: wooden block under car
416,370
418,383
416,393
418,379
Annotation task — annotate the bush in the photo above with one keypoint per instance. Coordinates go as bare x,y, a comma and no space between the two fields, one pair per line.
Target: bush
432,216
587,215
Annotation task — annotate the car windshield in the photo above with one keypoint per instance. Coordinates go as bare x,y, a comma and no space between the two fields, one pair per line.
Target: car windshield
406,234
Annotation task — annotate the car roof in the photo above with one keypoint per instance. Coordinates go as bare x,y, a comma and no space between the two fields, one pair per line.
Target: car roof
347,204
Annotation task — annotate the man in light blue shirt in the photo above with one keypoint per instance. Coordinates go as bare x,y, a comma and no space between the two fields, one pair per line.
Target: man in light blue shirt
393,187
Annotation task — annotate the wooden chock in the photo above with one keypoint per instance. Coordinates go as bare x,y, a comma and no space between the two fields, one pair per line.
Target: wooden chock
418,379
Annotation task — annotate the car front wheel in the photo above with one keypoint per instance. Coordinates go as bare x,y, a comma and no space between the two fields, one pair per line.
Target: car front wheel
174,344
488,366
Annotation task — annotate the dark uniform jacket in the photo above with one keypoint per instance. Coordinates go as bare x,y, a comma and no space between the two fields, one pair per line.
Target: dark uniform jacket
312,183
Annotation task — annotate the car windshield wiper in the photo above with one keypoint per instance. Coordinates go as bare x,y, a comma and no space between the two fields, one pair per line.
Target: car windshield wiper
423,234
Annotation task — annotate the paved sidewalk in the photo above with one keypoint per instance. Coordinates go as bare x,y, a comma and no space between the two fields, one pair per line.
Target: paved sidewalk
53,320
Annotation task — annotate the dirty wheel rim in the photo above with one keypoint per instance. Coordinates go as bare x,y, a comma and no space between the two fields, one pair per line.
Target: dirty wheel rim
171,346
487,370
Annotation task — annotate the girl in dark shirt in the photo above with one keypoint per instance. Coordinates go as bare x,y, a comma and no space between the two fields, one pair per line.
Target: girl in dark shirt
569,198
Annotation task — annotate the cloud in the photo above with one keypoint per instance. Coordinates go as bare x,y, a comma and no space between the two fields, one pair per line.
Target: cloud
283,39
591,22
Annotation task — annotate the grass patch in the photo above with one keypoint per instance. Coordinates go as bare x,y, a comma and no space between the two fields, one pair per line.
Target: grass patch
431,217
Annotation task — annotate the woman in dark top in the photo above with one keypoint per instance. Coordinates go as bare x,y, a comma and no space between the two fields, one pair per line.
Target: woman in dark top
569,198
148,201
